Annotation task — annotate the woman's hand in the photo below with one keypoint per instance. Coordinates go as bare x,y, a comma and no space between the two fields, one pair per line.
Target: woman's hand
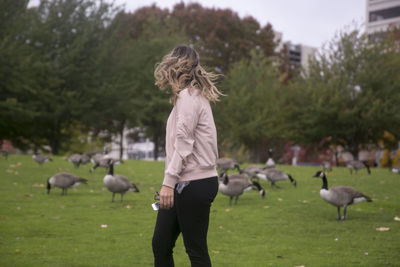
166,197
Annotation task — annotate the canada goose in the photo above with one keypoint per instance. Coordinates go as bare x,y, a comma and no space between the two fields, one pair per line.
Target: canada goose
274,175
237,184
100,160
270,163
340,196
75,159
252,171
396,169
39,158
224,164
326,166
64,181
118,184
357,165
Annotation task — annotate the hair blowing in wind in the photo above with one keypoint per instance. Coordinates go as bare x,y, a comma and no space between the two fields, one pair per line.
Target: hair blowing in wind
181,69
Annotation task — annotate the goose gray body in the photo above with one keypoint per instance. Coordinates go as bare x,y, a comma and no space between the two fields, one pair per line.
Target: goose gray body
75,159
326,166
101,160
39,158
252,171
357,165
340,196
396,169
274,175
235,185
225,164
116,183
270,163
64,181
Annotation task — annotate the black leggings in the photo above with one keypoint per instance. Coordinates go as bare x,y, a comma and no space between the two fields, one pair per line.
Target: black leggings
189,215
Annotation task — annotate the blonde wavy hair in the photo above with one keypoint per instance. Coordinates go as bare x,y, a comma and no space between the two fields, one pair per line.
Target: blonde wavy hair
181,69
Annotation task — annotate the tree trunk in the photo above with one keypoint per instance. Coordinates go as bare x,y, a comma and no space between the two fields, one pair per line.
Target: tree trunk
156,141
121,140
354,150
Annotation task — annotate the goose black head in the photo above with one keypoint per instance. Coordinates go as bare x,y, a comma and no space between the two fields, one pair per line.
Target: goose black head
319,174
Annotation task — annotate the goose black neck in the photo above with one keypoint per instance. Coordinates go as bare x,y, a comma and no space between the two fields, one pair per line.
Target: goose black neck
324,183
290,178
257,185
48,186
238,168
111,169
226,180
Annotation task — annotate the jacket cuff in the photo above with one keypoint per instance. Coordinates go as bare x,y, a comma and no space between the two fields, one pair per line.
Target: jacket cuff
170,180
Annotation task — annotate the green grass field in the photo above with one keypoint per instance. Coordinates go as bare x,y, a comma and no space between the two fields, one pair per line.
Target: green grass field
290,227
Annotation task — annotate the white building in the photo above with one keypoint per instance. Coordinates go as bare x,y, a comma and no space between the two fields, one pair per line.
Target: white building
299,54
380,15
141,149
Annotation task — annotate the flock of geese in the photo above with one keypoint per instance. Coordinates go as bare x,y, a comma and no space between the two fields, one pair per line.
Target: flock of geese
115,183
233,185
236,184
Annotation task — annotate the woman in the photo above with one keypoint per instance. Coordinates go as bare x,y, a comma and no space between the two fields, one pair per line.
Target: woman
190,180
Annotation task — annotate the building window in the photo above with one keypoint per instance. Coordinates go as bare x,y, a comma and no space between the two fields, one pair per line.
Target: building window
383,14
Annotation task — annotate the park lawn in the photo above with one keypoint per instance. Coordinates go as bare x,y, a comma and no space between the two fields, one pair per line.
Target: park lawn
290,227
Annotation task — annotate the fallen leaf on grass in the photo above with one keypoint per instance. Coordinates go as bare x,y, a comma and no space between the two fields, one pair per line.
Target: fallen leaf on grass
128,206
366,253
91,191
18,208
396,219
306,201
104,225
382,229
17,251
38,185
215,251
228,210
62,207
56,217
300,266
279,199
266,207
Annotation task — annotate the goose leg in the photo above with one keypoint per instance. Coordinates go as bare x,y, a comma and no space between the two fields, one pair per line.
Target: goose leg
113,194
230,201
338,212
274,185
236,199
122,196
344,212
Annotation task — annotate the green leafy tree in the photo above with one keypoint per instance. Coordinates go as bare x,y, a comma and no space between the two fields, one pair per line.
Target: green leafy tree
62,40
350,95
249,114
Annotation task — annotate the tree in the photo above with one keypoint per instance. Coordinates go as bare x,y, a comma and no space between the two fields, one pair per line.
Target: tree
219,35
249,114
349,96
62,39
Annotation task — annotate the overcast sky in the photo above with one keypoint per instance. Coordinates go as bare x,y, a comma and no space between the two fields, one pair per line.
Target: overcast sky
309,22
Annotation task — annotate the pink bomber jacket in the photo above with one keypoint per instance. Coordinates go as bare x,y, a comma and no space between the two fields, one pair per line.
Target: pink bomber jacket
191,140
